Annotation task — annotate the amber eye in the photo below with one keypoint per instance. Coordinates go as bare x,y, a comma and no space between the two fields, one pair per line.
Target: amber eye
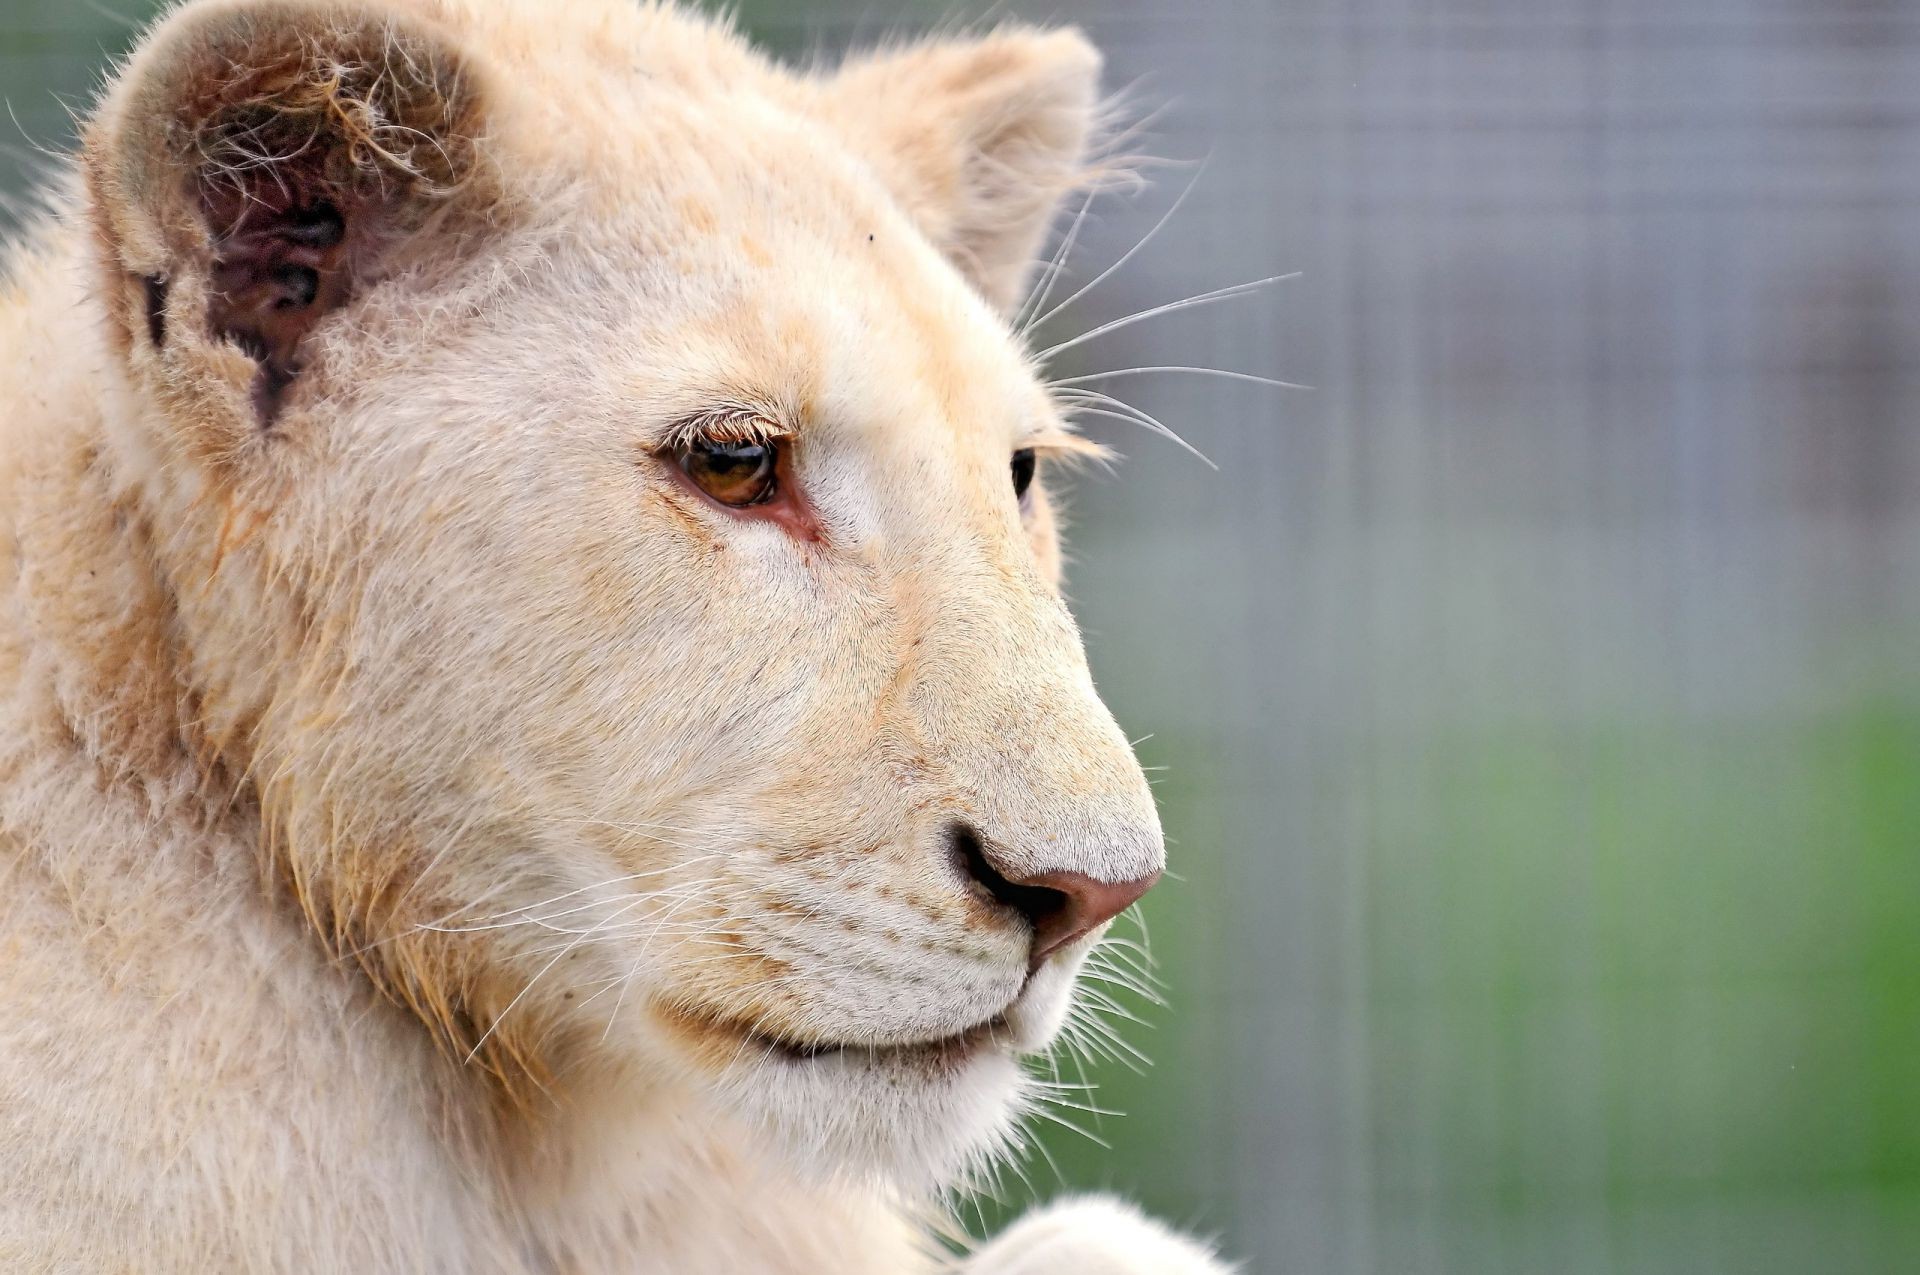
735,474
1023,465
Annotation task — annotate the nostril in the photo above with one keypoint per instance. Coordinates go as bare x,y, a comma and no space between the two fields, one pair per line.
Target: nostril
1061,906
1039,904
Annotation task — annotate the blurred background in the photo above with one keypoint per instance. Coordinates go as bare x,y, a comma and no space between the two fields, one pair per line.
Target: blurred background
1538,696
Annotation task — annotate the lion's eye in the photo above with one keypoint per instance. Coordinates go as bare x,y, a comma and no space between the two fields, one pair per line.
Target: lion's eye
1023,466
732,473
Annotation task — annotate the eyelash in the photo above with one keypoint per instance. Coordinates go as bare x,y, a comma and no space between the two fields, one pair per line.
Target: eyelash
725,427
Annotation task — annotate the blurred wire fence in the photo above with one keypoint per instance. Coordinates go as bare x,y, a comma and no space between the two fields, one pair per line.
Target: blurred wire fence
1539,695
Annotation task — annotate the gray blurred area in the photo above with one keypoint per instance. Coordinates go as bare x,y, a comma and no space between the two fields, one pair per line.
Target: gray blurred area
1539,694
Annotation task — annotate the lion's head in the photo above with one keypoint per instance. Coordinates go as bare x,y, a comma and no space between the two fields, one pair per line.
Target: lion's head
605,502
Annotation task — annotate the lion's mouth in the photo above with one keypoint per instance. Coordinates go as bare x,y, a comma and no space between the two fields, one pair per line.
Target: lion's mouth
955,1048
752,1041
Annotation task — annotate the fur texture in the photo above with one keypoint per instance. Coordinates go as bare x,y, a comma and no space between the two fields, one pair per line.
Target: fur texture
433,836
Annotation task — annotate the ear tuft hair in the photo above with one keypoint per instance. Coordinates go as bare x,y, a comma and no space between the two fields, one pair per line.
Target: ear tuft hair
279,155
980,140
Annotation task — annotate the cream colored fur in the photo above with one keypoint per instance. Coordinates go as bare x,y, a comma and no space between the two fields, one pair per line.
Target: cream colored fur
417,809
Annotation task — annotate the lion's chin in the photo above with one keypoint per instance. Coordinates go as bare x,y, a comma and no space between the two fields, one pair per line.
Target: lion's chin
917,1117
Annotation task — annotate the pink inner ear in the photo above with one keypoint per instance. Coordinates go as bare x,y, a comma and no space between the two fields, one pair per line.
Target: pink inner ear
279,267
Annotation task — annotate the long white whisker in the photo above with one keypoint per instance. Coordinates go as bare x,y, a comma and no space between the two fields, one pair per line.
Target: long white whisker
1170,307
501,1017
1051,275
644,828
1054,1116
1151,423
1221,372
547,921
1040,1145
1125,257
1089,1108
600,885
1127,985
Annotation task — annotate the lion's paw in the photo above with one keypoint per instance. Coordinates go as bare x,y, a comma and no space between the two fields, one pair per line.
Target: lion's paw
1093,1235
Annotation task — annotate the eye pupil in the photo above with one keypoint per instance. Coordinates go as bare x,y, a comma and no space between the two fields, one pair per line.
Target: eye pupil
732,473
1023,467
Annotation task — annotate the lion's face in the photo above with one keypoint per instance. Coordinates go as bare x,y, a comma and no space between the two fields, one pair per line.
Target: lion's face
617,557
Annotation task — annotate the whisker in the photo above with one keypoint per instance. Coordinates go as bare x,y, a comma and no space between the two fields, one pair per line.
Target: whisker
1056,1083
645,828
602,885
1145,986
1087,1107
1111,1006
614,1014
1013,1162
545,920
1151,423
1224,373
1170,307
1128,965
1051,274
1125,257
1065,1123
1135,989
1040,1145
501,1017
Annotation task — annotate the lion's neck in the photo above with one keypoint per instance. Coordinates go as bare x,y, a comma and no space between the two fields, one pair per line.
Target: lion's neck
88,679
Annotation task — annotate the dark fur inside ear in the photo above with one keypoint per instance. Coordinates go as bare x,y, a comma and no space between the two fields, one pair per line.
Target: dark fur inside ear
296,151
154,288
279,266
315,160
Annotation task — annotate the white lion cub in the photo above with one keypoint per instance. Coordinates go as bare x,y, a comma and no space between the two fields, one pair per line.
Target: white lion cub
538,731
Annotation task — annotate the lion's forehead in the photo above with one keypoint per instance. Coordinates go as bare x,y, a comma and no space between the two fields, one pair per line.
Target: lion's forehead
630,89
861,336
699,228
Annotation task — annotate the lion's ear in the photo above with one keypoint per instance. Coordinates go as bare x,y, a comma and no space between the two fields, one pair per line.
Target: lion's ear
258,164
979,140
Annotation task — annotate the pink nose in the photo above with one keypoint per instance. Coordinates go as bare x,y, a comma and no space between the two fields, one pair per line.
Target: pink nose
1080,906
1061,906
